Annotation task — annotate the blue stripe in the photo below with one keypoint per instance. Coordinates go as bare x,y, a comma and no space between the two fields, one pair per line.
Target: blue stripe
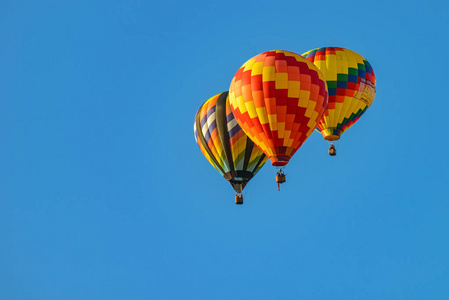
229,118
352,78
342,84
362,73
210,129
368,67
212,126
203,121
207,137
210,111
234,130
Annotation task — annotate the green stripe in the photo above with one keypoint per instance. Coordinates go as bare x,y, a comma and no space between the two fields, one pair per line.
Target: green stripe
248,151
262,157
220,118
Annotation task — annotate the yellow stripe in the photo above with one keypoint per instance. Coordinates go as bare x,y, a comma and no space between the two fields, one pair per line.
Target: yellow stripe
312,122
293,89
304,97
281,129
240,104
331,68
321,64
257,68
268,74
281,80
262,114
272,120
249,64
351,59
310,109
251,109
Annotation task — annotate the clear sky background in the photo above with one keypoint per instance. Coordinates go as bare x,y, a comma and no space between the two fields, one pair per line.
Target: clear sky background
105,195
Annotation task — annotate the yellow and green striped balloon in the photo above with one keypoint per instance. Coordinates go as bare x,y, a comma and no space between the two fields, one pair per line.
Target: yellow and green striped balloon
351,84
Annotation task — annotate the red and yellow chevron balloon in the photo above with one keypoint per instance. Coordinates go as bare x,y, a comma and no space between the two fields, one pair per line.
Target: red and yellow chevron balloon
352,87
278,97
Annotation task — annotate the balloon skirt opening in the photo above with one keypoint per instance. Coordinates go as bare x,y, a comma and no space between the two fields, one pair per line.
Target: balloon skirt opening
331,134
332,137
280,160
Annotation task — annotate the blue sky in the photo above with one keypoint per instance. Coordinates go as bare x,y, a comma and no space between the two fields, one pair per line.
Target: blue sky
105,195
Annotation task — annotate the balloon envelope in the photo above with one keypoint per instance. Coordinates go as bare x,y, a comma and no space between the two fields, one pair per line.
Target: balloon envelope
224,143
352,86
278,97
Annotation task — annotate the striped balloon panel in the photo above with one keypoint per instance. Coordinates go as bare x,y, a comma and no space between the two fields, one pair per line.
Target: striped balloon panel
224,143
278,97
205,152
352,86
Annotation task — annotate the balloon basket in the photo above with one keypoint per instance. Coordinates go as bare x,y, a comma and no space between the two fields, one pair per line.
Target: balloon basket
332,151
238,199
280,178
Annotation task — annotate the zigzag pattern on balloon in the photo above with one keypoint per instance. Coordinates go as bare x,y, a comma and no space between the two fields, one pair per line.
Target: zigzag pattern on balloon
278,97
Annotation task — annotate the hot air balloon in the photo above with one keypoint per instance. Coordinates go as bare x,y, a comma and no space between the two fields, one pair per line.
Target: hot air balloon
225,145
278,97
352,85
